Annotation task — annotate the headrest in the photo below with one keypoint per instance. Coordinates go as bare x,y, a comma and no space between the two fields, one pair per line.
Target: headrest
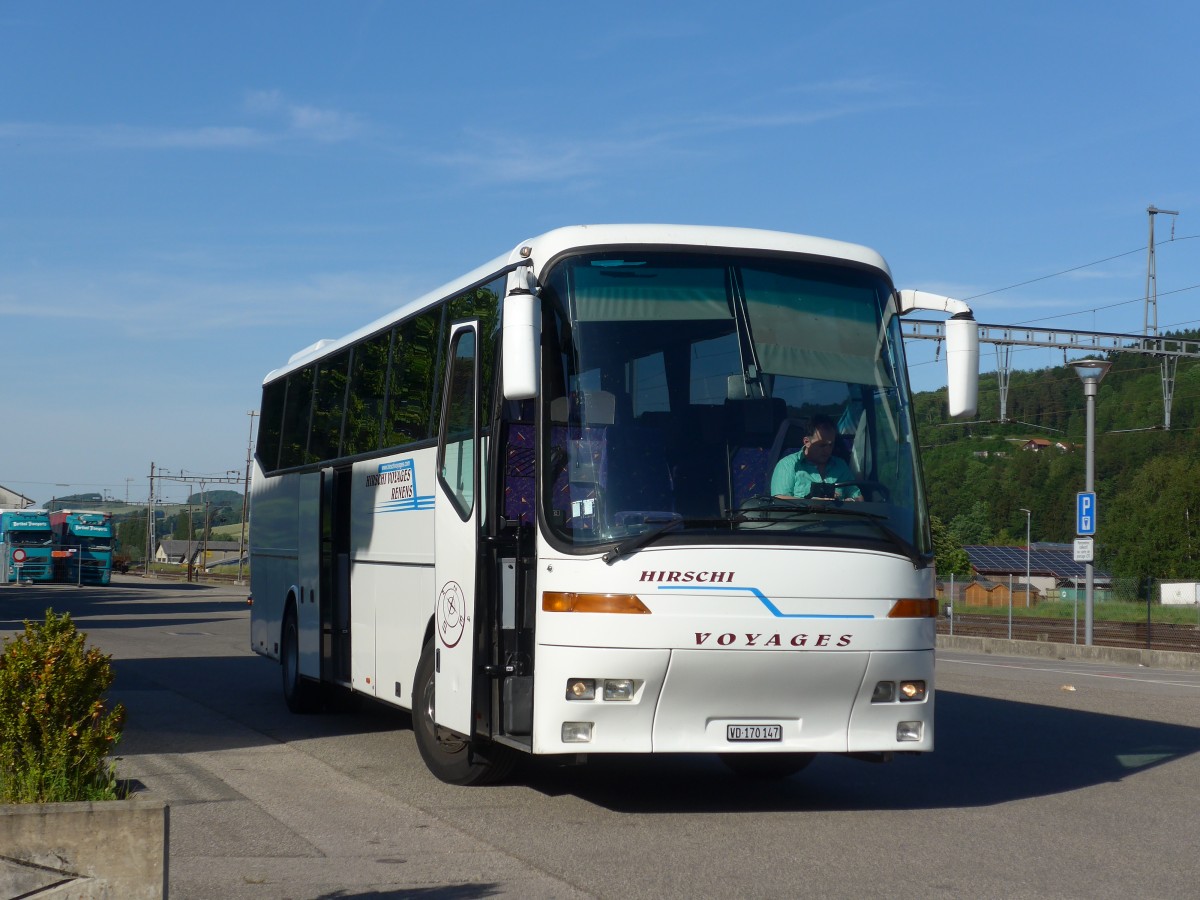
584,408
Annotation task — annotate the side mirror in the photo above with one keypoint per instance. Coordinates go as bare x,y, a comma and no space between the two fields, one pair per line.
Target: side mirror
962,365
962,347
520,336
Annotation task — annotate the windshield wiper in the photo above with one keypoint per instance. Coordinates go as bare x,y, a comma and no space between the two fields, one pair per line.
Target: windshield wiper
638,541
800,509
790,509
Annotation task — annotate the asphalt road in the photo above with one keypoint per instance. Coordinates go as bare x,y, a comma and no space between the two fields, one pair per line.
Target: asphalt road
1051,779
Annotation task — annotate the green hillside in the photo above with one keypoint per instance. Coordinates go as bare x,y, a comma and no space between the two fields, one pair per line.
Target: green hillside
1147,479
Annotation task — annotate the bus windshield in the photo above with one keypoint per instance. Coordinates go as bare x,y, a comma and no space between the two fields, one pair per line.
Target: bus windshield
679,387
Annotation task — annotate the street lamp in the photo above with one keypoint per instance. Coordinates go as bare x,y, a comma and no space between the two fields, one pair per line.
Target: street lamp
1027,548
1091,372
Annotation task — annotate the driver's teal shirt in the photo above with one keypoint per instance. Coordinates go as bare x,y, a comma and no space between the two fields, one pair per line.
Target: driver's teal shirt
794,476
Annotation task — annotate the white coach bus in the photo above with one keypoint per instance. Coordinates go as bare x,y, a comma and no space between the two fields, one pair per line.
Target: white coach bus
534,507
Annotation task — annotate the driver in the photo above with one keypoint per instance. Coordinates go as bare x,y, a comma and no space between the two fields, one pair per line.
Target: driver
812,471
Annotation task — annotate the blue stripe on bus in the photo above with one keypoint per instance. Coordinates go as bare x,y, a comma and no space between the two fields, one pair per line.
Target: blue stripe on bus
413,503
775,611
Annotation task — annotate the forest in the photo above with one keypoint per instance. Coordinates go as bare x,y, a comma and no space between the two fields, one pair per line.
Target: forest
978,476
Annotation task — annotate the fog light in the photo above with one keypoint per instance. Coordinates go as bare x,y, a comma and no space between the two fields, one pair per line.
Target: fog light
618,689
581,688
912,691
885,692
909,731
579,732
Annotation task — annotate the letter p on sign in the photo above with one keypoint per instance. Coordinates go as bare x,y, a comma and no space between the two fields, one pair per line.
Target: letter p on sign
1085,513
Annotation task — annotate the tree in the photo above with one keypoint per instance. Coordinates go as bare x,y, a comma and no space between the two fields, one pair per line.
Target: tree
184,529
1151,529
949,556
972,527
131,536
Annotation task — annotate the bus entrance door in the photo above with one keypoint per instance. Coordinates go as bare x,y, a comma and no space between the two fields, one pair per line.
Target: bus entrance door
456,537
335,575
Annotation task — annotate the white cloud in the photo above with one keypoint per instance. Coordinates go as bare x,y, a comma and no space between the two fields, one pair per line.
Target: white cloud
522,157
304,120
143,304
285,122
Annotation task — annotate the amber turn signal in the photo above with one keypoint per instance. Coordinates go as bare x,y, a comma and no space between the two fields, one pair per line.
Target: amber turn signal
566,601
914,609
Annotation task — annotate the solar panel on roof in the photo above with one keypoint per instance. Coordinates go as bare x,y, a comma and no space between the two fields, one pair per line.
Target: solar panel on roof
1058,562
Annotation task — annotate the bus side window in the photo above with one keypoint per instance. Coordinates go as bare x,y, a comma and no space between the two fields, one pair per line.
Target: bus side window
296,412
457,463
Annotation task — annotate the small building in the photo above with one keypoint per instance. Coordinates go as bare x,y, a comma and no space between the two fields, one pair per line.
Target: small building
10,499
197,551
174,552
982,592
951,591
215,552
1037,445
1052,569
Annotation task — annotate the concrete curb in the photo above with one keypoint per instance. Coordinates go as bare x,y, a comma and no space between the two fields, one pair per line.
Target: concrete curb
113,849
1128,656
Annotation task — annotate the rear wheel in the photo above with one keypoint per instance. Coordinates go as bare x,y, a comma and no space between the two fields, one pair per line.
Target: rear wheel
766,765
451,757
300,694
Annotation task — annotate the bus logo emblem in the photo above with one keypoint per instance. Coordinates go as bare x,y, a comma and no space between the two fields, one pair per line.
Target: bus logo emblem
451,614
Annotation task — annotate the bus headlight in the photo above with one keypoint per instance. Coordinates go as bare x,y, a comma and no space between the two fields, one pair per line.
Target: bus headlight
578,732
909,731
885,692
912,691
581,689
618,688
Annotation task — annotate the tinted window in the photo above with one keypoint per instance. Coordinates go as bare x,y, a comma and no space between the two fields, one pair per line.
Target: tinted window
270,423
482,303
457,463
364,406
296,409
328,401
410,389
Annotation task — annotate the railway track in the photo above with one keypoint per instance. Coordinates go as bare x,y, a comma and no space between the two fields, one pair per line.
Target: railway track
1066,631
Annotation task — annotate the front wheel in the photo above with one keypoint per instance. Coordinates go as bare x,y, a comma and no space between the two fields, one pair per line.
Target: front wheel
300,694
766,765
450,757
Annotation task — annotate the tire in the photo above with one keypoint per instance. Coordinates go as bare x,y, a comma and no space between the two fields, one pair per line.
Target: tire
300,694
766,766
450,757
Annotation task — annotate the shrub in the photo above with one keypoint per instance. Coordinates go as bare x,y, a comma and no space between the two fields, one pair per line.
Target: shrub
55,733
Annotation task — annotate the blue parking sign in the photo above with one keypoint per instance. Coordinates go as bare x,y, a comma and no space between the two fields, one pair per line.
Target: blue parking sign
1085,513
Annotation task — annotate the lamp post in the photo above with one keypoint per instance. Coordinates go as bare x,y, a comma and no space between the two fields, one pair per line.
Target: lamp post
1028,514
1091,372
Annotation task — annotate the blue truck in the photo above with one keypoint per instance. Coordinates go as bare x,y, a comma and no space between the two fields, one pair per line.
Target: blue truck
83,546
26,545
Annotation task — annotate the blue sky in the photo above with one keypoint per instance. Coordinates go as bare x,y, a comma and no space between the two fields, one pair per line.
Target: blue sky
188,195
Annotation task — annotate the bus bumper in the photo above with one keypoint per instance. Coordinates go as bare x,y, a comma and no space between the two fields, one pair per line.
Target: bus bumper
685,701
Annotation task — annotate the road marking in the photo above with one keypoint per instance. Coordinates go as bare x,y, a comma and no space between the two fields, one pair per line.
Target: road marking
966,662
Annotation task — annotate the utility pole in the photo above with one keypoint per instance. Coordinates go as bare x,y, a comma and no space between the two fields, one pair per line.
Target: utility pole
150,521
246,497
231,476
1168,364
1150,316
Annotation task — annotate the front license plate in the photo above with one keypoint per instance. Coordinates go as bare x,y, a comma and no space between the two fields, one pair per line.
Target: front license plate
754,732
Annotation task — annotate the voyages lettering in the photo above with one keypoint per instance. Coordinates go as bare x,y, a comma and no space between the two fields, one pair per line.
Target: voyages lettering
746,639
